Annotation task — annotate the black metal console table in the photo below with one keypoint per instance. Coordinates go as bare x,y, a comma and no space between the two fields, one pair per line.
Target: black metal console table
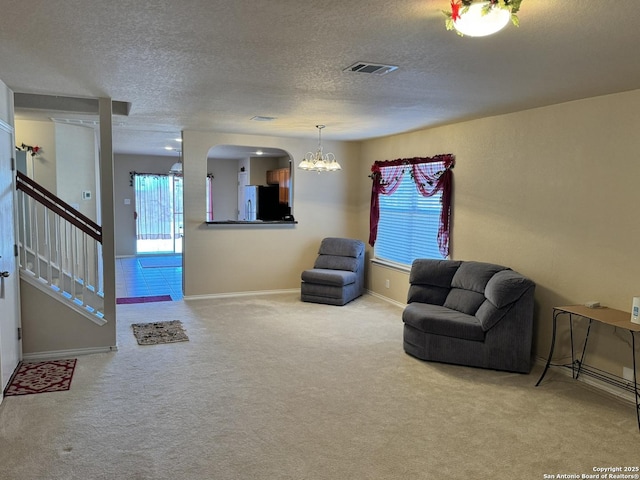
607,316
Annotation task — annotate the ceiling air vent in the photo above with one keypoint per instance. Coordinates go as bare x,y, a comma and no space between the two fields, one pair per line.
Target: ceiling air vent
374,68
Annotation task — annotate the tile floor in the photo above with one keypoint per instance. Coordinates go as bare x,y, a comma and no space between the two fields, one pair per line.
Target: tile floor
155,275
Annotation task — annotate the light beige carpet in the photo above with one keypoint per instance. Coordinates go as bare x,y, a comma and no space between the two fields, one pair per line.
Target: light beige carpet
272,388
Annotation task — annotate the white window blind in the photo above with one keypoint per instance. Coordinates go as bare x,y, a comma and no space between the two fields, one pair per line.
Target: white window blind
408,226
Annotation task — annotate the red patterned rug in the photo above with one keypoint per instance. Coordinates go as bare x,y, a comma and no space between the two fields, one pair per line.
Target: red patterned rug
41,377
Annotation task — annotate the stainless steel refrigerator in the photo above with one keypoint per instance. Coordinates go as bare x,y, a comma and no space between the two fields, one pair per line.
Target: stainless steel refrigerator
262,202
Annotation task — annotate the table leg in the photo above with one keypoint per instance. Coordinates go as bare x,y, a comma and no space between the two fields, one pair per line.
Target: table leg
553,342
584,349
635,377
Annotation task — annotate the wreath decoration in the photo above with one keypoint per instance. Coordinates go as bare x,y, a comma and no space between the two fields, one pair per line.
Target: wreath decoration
32,150
460,7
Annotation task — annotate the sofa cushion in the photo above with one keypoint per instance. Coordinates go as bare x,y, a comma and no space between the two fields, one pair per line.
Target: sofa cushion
506,287
465,301
427,294
437,273
338,278
343,247
335,262
474,276
442,321
488,315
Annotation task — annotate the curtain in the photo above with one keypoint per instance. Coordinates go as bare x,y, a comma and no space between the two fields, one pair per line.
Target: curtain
154,206
430,174
386,180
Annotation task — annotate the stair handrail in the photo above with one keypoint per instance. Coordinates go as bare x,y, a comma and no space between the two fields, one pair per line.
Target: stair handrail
59,206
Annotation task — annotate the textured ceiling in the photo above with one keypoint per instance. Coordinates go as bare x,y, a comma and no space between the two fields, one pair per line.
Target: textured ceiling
215,64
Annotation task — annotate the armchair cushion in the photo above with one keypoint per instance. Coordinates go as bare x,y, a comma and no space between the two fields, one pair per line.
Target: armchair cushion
343,247
468,285
506,287
338,278
438,273
442,321
334,262
465,301
431,280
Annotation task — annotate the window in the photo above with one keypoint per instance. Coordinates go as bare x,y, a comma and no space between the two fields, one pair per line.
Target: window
410,208
408,225
159,213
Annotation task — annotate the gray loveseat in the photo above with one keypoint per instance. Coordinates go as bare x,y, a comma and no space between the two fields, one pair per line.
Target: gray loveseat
469,313
337,276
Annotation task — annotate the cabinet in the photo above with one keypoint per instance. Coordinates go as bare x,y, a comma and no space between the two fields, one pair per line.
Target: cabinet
282,178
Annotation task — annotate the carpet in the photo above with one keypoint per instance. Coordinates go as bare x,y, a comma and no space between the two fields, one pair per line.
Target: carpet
161,262
149,299
41,377
159,332
272,388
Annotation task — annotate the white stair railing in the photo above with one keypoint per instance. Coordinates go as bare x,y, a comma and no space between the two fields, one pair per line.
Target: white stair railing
60,249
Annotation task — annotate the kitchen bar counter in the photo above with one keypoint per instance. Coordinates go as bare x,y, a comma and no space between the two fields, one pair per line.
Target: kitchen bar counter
254,222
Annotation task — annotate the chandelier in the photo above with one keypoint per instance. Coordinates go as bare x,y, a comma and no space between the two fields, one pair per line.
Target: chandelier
176,168
479,18
319,161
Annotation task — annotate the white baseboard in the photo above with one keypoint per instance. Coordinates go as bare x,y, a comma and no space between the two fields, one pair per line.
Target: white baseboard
387,299
58,354
591,382
240,294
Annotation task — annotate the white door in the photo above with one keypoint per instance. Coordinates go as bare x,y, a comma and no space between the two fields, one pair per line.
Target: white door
10,345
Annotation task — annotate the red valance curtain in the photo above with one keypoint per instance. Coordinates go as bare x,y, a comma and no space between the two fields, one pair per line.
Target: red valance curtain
430,174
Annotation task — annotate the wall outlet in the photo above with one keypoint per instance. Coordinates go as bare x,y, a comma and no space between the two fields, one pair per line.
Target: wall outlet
627,373
387,283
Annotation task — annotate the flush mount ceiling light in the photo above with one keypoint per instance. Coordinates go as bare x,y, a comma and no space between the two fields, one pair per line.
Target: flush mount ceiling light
319,161
479,18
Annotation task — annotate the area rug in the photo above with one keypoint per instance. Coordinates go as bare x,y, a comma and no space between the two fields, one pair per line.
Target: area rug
161,262
159,332
149,299
41,377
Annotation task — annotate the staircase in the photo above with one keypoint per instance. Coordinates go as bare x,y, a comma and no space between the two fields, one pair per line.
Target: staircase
59,249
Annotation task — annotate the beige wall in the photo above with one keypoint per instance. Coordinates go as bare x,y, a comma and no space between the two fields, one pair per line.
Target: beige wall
6,104
551,192
48,325
259,168
76,167
225,188
241,258
42,134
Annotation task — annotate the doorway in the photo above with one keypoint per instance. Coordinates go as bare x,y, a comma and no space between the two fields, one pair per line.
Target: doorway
159,213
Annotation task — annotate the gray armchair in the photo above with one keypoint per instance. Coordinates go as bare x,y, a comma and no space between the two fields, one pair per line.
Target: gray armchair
469,313
337,276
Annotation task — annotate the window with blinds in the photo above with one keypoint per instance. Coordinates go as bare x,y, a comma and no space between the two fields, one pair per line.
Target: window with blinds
408,226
